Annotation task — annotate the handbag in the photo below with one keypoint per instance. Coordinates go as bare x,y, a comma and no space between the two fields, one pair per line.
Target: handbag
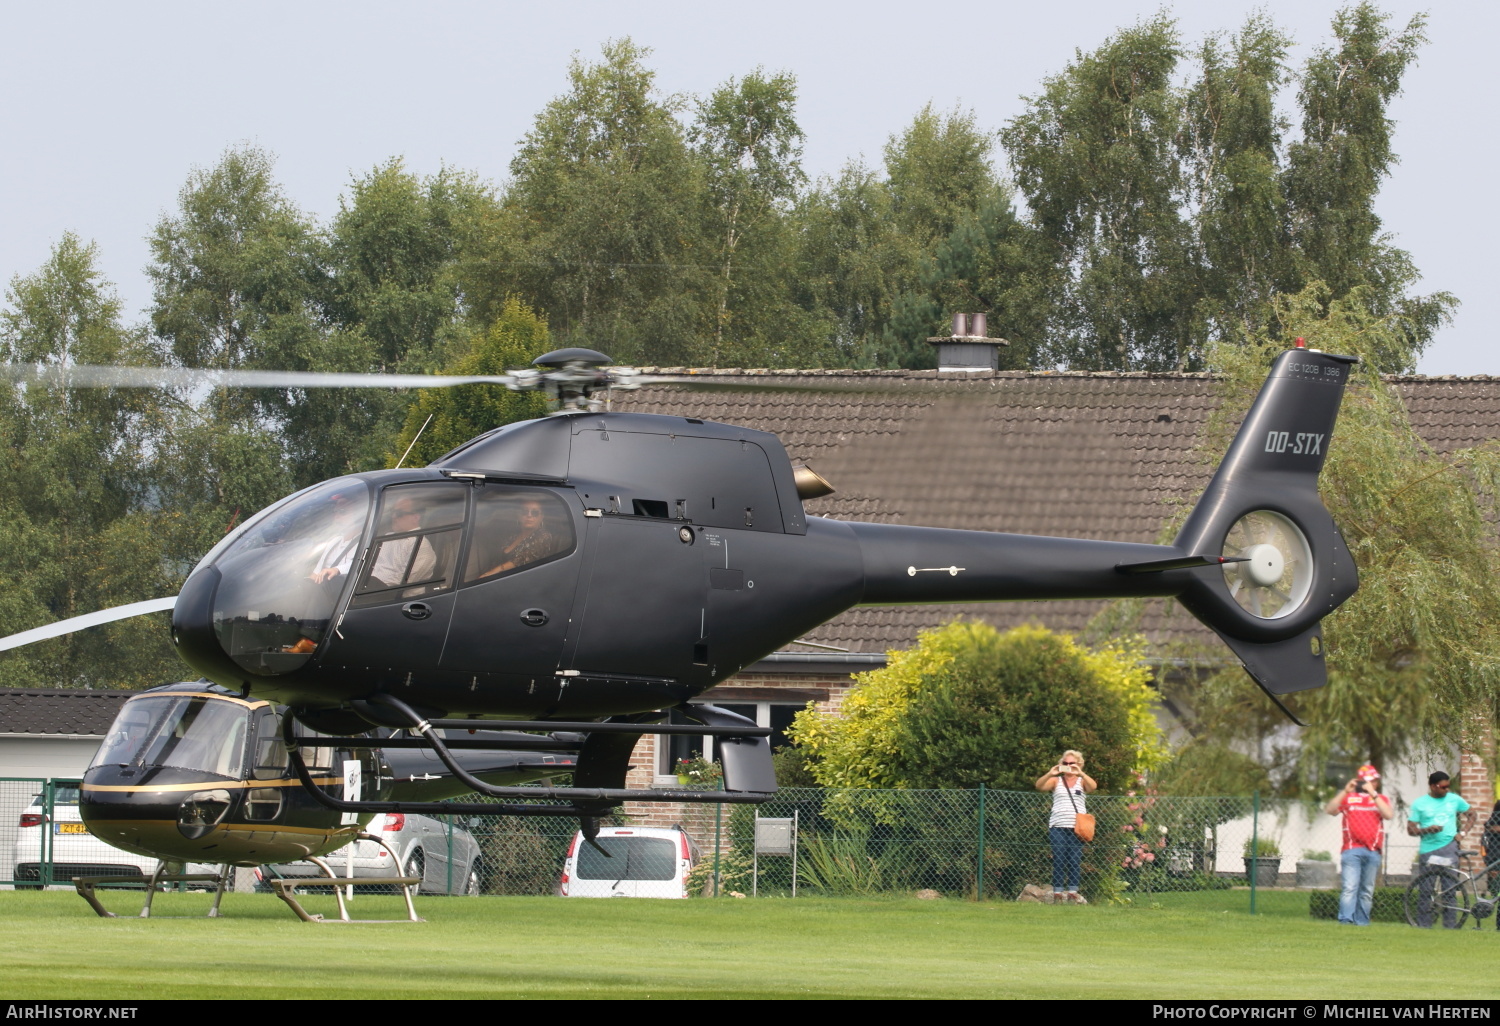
1083,822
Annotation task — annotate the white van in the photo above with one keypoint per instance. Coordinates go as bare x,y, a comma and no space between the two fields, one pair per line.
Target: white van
643,862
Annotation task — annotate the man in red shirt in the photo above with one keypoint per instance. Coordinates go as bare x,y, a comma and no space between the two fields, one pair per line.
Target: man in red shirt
1365,811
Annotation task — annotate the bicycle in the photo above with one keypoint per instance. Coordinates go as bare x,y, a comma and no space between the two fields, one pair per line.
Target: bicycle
1443,889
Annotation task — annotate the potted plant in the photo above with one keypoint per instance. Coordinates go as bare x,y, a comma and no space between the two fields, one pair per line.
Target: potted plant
1316,870
1263,859
699,774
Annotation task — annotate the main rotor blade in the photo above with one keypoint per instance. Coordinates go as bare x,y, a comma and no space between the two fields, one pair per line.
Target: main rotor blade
78,623
836,381
87,376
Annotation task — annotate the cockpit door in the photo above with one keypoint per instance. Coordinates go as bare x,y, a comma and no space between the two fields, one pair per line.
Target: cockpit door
403,600
515,598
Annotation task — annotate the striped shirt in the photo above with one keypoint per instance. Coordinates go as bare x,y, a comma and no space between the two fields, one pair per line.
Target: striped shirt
1064,809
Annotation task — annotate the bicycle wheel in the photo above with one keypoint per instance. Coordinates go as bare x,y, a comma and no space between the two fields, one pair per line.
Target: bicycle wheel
1435,895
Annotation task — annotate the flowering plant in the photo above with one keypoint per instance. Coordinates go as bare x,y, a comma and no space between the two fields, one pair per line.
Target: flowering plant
1148,842
699,772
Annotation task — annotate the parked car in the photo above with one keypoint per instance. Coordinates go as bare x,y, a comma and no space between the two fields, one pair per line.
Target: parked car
74,851
409,845
643,862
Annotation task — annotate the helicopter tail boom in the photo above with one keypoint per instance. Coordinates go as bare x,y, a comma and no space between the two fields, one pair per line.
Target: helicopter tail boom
1259,560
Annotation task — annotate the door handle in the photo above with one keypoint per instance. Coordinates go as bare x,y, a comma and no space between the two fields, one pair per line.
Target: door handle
416,610
534,617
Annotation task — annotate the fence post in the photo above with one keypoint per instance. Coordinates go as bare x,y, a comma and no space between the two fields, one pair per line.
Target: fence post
796,837
449,818
718,845
979,878
1253,863
44,871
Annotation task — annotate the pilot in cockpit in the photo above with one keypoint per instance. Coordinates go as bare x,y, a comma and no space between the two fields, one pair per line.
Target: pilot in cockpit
336,554
399,560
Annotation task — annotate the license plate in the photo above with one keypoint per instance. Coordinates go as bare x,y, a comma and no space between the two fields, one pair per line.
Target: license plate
70,828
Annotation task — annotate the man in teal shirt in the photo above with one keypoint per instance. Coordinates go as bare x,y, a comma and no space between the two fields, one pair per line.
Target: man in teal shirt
1434,818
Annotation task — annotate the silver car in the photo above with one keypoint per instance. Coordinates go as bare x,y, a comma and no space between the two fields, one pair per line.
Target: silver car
446,857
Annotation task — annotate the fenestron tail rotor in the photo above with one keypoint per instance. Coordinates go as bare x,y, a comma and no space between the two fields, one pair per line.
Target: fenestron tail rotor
1275,572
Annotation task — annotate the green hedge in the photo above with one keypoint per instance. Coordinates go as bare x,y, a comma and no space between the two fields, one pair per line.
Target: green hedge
1386,908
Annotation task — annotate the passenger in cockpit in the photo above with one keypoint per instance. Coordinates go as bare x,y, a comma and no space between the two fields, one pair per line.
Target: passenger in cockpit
532,541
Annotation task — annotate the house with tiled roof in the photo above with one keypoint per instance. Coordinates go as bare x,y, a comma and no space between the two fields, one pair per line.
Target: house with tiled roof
1085,455
46,733
53,732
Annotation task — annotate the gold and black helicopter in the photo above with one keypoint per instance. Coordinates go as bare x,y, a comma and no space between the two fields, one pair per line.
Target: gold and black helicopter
574,581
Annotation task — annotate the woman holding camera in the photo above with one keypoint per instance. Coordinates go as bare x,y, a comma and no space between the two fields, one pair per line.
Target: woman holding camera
1069,784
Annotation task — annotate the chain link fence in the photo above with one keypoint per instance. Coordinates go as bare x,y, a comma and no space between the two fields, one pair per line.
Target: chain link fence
960,843
968,843
25,849
992,844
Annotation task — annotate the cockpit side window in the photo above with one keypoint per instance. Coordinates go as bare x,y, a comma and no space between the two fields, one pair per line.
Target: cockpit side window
417,535
515,529
270,749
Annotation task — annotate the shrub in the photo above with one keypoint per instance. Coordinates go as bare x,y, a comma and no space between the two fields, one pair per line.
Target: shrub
1386,908
519,858
970,705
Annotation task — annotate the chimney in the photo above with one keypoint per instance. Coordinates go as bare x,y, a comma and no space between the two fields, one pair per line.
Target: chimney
969,348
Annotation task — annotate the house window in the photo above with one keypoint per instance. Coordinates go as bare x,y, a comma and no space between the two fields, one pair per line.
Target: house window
672,747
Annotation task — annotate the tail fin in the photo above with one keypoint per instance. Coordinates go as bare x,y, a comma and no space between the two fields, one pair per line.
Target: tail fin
1263,506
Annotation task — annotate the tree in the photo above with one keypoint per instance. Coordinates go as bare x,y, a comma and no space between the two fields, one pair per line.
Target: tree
235,273
1174,213
961,246
750,145
395,249
879,255
1230,142
603,217
237,277
1334,173
993,263
77,532
458,414
969,705
844,265
1095,155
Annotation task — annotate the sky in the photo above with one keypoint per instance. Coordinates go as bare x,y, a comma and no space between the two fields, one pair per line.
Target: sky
106,108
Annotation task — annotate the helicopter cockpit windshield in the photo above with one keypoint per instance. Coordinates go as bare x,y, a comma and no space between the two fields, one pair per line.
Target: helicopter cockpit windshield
281,578
191,732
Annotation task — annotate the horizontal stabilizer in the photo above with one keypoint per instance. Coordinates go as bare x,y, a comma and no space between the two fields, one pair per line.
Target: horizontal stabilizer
1156,566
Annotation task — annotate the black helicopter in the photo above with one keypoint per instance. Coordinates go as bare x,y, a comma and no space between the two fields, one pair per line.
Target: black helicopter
591,572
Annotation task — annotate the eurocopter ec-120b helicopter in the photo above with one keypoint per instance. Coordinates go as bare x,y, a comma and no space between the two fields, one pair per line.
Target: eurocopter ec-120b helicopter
590,572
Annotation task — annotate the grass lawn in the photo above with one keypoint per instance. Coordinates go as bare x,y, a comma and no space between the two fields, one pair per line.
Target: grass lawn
1200,945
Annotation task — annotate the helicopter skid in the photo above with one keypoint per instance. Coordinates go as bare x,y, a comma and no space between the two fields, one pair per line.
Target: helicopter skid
286,890
86,885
